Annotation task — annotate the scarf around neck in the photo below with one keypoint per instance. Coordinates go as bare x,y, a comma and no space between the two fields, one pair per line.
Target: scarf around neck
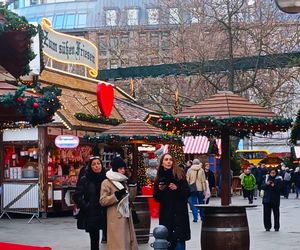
116,178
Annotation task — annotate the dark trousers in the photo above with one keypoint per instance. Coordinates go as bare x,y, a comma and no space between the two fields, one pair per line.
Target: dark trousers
268,208
249,194
94,237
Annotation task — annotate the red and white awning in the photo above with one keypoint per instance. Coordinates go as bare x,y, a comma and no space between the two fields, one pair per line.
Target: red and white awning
198,144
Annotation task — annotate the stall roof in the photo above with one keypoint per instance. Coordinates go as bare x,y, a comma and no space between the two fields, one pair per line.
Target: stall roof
79,96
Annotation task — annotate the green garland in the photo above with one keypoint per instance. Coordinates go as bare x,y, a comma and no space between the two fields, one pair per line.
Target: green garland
210,126
295,133
108,138
36,110
96,119
19,23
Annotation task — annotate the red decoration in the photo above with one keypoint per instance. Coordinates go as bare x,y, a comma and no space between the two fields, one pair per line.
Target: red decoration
35,105
20,99
105,98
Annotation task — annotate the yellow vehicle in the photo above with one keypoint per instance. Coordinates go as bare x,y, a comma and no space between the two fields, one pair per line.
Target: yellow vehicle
252,156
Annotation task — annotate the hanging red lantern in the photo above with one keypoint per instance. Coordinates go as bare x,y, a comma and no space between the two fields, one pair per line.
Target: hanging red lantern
105,98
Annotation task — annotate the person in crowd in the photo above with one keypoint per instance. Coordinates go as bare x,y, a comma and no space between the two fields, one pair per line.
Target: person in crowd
296,180
188,164
210,177
249,183
262,172
196,175
254,170
287,177
271,199
244,168
91,215
171,190
115,197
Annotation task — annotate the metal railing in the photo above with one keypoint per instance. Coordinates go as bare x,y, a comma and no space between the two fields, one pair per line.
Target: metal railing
22,198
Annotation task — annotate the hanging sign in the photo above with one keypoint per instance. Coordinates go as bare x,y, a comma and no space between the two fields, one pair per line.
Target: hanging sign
66,141
69,49
105,98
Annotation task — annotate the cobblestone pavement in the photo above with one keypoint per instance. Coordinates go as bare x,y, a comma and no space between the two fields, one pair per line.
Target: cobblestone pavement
61,233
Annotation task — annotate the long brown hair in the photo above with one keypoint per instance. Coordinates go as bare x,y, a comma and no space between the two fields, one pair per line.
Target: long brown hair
178,172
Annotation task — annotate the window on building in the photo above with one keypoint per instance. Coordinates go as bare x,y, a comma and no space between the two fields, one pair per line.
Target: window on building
81,20
124,40
21,4
153,16
59,21
102,45
132,17
70,21
114,63
154,40
143,40
195,15
174,17
111,17
165,41
35,2
113,43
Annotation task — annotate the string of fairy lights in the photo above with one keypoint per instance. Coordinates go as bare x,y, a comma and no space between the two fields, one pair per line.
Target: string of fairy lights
211,126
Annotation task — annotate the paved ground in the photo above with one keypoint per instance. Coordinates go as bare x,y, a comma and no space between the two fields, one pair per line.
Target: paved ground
61,233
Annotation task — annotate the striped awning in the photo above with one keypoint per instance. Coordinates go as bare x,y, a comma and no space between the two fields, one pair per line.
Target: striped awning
198,144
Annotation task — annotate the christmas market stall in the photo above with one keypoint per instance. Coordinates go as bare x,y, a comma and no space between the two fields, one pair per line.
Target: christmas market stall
131,136
22,105
223,115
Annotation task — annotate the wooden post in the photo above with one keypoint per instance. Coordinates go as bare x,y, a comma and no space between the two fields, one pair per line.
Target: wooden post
42,165
135,155
225,168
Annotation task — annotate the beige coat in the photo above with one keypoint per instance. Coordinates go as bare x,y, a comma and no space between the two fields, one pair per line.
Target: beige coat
200,181
120,230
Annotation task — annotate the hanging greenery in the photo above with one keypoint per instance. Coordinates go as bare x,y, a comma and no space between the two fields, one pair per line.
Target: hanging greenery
109,138
295,133
38,108
97,119
239,126
13,22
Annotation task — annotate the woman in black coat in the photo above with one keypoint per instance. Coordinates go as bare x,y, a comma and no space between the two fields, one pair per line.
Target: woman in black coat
91,216
171,190
271,199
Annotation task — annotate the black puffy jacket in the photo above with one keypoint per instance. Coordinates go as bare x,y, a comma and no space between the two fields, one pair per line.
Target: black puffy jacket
92,215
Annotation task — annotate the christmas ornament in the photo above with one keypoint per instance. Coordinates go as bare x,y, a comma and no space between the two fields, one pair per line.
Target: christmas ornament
35,105
105,98
20,99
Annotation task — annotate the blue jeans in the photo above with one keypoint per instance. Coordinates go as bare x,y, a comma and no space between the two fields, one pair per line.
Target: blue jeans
180,245
197,198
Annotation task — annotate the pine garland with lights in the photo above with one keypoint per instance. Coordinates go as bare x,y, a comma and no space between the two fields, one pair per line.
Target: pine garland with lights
295,133
36,109
13,22
97,119
239,126
142,177
177,152
110,138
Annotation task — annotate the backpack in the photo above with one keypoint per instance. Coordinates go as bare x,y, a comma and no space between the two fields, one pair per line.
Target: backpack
287,176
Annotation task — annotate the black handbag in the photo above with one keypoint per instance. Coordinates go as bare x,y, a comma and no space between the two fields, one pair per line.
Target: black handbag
135,217
81,219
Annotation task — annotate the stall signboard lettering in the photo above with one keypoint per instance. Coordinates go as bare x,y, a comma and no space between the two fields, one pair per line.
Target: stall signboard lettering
66,141
69,49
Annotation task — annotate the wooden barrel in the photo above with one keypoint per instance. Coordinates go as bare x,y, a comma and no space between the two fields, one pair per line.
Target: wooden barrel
226,228
142,229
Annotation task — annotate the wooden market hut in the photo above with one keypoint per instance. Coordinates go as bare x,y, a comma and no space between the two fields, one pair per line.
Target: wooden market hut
135,132
222,115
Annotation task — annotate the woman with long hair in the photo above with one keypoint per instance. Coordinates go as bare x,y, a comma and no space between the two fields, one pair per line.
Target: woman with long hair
171,190
115,197
91,216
